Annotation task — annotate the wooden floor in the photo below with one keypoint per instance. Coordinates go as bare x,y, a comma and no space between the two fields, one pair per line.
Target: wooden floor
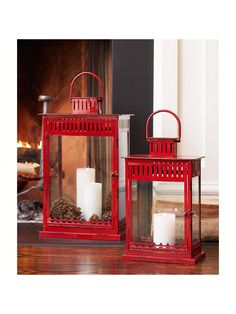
66,259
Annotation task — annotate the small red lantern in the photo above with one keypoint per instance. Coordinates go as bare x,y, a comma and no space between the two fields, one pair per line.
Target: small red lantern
163,203
83,193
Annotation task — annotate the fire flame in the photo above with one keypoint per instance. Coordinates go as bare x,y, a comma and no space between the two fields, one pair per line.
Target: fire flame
39,146
27,145
23,144
19,144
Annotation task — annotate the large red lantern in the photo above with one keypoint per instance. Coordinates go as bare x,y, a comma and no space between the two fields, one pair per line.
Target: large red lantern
83,192
163,203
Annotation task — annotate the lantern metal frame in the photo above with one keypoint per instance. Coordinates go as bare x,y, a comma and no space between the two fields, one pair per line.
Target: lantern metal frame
91,124
150,167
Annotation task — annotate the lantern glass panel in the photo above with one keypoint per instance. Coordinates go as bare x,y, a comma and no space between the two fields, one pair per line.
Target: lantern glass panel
158,212
124,140
142,201
72,178
196,220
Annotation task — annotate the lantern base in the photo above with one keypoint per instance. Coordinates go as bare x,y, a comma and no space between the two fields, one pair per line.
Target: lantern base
136,256
84,236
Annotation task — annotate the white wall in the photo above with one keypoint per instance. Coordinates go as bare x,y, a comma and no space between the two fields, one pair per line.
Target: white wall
186,82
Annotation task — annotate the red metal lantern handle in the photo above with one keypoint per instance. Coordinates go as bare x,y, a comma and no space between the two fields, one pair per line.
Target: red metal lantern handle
163,110
92,74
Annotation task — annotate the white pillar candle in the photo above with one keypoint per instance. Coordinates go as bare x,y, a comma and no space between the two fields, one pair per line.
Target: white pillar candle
83,177
92,200
164,228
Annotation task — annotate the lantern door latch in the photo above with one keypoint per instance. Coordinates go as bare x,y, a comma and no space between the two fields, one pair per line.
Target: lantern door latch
188,213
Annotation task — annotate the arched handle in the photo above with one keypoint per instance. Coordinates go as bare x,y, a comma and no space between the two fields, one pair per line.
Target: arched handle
168,111
92,74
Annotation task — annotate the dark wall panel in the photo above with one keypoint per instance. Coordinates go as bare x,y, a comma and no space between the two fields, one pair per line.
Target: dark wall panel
132,86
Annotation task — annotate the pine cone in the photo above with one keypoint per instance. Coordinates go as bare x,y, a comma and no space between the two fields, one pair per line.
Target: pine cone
106,216
61,209
94,218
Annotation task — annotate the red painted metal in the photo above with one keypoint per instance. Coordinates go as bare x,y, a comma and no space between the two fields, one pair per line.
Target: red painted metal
163,147
150,167
87,105
82,125
86,120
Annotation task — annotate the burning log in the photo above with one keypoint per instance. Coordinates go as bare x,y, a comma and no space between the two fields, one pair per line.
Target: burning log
25,152
28,160
28,154
28,169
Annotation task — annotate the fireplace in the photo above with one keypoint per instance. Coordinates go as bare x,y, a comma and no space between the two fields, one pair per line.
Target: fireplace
46,67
